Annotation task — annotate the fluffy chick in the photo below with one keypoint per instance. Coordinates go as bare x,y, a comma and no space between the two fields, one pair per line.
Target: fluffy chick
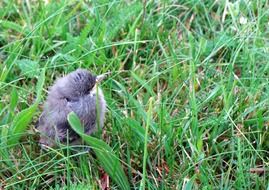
75,92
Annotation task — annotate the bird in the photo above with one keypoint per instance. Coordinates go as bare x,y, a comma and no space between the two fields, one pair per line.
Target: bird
76,92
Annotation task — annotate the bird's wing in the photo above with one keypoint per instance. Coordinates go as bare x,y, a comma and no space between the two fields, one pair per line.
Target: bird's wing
85,108
53,122
46,129
44,125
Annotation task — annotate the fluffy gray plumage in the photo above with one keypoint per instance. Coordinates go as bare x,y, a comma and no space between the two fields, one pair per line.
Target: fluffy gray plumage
75,92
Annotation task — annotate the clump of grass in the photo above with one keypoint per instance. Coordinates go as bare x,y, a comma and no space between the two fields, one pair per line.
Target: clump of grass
205,65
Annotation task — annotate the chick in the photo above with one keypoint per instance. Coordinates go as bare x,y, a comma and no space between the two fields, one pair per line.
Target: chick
75,92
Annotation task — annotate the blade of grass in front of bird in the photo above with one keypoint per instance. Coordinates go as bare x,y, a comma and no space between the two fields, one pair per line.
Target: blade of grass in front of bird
104,153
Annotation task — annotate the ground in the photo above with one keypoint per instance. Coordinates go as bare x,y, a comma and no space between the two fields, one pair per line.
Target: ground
187,98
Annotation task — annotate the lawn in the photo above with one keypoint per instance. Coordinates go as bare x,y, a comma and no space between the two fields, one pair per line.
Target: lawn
187,98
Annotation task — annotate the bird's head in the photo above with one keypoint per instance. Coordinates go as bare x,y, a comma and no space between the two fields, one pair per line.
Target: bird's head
78,83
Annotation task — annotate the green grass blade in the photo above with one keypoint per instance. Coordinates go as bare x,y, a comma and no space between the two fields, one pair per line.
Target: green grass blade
104,153
39,85
22,119
149,115
20,124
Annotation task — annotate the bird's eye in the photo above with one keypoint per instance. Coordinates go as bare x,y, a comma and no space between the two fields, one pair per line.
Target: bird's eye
79,76
67,99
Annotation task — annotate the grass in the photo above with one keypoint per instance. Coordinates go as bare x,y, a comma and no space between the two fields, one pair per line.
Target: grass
203,65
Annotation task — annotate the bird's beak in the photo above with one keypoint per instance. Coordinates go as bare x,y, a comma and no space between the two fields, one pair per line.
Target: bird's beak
101,77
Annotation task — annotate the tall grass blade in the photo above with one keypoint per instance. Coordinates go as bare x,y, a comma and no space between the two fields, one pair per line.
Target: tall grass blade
104,153
149,115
